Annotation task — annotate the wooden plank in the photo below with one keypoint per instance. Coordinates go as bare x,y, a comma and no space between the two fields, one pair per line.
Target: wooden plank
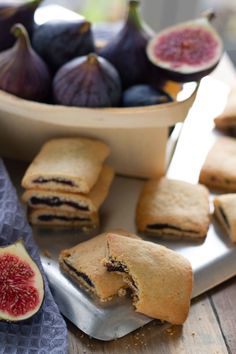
223,301
200,334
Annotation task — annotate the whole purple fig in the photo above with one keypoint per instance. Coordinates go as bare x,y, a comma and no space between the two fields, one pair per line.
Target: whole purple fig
127,50
12,12
22,72
88,81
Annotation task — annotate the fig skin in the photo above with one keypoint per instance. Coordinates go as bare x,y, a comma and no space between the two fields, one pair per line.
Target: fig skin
22,72
58,41
20,273
144,95
12,13
187,70
88,81
127,51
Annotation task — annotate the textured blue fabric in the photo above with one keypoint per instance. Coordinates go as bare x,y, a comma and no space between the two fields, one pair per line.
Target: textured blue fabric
45,332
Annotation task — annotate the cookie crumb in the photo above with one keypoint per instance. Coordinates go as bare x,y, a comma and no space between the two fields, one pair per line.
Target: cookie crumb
121,292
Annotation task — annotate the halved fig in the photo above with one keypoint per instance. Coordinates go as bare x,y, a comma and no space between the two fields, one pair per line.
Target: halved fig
21,284
187,51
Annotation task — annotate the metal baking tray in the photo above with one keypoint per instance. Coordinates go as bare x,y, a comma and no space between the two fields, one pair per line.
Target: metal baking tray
213,261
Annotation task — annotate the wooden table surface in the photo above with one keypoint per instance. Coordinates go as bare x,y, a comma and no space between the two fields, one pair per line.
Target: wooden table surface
209,329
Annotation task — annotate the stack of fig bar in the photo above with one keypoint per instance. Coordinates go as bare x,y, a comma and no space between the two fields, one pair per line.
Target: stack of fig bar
67,182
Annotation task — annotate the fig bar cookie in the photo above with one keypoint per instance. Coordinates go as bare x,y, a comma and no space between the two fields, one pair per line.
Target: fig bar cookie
225,212
52,217
161,279
173,209
72,202
70,165
84,264
219,168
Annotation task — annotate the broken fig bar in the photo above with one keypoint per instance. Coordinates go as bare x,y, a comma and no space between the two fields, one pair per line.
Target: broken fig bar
21,284
161,279
83,263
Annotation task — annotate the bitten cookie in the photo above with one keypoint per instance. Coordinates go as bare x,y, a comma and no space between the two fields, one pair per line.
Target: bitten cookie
69,165
72,202
173,209
52,217
84,264
160,278
225,212
219,168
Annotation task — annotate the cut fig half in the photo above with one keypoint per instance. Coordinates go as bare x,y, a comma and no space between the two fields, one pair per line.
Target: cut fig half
188,51
21,284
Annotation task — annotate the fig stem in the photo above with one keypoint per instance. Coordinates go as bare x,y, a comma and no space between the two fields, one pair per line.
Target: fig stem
84,27
20,32
209,14
92,58
36,2
133,13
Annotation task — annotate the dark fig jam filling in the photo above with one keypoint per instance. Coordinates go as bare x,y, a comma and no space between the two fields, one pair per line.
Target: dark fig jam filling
42,180
167,226
56,202
80,274
116,266
221,210
50,217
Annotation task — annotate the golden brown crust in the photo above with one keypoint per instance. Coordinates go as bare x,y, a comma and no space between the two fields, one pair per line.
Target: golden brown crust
225,212
173,209
88,203
53,217
69,164
86,258
219,168
163,278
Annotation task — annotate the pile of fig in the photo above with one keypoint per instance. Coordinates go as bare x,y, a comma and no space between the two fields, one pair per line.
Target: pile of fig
58,62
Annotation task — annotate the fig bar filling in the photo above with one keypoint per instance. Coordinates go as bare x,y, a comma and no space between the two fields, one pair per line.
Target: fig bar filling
56,202
171,227
42,180
113,265
79,274
52,217
21,284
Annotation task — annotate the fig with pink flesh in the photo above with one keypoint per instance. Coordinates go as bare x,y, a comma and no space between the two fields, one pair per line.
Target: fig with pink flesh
21,284
88,81
187,51
22,72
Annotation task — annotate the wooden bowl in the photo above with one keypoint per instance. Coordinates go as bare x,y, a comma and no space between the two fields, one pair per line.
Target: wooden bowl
137,136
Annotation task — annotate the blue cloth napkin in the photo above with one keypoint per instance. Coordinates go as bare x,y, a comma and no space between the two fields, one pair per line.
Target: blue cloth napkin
45,332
